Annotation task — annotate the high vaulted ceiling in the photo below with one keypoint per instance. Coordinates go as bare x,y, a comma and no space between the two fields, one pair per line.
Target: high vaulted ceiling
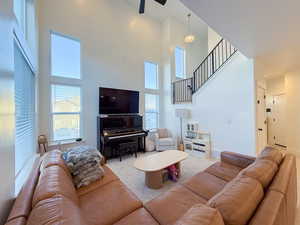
173,8
267,30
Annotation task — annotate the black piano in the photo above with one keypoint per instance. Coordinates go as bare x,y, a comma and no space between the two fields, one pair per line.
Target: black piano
113,130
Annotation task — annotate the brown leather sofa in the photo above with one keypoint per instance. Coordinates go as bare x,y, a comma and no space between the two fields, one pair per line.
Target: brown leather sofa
238,190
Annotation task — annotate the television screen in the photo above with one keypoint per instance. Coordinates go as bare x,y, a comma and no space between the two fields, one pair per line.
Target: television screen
115,101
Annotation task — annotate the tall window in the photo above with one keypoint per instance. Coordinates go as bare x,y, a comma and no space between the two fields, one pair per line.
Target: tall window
65,96
151,111
25,111
180,63
66,108
152,97
151,76
65,57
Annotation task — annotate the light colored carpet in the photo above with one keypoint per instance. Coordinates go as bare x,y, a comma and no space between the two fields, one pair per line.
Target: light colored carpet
135,179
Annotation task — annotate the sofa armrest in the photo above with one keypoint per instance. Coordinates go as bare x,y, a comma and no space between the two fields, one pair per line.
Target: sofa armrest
237,159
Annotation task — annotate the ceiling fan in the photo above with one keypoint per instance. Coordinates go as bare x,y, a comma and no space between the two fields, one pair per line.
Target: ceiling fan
142,5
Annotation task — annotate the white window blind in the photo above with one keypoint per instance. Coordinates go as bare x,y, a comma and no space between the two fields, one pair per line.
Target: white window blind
25,111
66,109
151,111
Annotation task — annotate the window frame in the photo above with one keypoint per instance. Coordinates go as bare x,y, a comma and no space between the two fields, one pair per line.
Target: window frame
157,76
184,63
157,110
50,58
52,114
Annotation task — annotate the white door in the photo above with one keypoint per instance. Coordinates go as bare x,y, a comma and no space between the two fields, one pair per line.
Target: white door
261,120
278,120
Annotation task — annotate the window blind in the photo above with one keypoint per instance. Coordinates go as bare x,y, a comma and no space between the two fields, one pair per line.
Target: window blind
24,110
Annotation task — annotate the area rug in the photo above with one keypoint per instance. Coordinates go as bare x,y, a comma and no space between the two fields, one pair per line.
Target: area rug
135,179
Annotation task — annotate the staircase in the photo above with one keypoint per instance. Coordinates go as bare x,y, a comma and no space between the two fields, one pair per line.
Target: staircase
185,88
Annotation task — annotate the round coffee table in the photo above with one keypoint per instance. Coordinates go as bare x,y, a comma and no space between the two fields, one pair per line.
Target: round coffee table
153,166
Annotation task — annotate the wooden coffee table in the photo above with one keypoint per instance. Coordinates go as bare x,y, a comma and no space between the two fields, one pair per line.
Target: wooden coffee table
153,166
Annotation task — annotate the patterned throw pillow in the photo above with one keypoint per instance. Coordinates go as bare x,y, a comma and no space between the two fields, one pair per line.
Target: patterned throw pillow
84,164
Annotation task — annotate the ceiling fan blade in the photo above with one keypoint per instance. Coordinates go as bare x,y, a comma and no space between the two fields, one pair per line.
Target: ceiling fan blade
162,2
142,7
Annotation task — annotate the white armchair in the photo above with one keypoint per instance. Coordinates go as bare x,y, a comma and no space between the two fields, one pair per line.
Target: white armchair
164,140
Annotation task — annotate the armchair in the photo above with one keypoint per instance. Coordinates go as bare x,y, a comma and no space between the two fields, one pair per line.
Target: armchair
164,140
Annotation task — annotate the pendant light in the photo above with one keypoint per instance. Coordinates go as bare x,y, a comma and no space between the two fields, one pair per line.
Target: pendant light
189,38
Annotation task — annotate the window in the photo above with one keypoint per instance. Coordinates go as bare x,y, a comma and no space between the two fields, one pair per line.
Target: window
151,111
66,108
65,57
180,63
151,75
25,111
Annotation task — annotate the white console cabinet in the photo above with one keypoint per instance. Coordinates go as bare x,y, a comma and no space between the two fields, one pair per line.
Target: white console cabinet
201,143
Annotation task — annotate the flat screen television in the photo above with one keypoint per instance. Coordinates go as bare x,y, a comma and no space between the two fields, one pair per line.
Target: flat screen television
116,101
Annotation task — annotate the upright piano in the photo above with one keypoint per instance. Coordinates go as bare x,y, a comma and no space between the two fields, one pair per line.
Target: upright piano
115,129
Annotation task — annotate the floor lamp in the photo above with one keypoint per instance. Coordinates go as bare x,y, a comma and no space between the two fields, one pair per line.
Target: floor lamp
182,114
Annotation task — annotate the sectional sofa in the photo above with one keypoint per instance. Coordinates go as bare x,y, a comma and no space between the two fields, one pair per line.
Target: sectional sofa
238,190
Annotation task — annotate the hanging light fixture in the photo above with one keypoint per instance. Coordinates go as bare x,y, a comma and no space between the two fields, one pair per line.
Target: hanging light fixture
189,38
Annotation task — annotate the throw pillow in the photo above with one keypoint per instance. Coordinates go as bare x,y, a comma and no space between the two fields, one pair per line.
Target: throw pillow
84,163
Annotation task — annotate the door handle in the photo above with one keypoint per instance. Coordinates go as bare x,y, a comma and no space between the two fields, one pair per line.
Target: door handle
260,129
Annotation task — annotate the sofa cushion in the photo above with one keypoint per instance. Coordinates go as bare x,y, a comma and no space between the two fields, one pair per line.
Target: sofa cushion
163,133
108,177
138,217
205,185
53,158
165,141
237,159
261,170
223,170
201,215
272,154
108,204
54,180
56,210
170,206
238,200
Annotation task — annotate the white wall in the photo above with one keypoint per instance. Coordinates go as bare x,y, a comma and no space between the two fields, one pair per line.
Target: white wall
276,86
213,39
172,36
225,107
115,43
292,87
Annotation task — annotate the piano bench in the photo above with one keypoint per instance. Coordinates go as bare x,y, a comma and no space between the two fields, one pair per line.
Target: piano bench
130,146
